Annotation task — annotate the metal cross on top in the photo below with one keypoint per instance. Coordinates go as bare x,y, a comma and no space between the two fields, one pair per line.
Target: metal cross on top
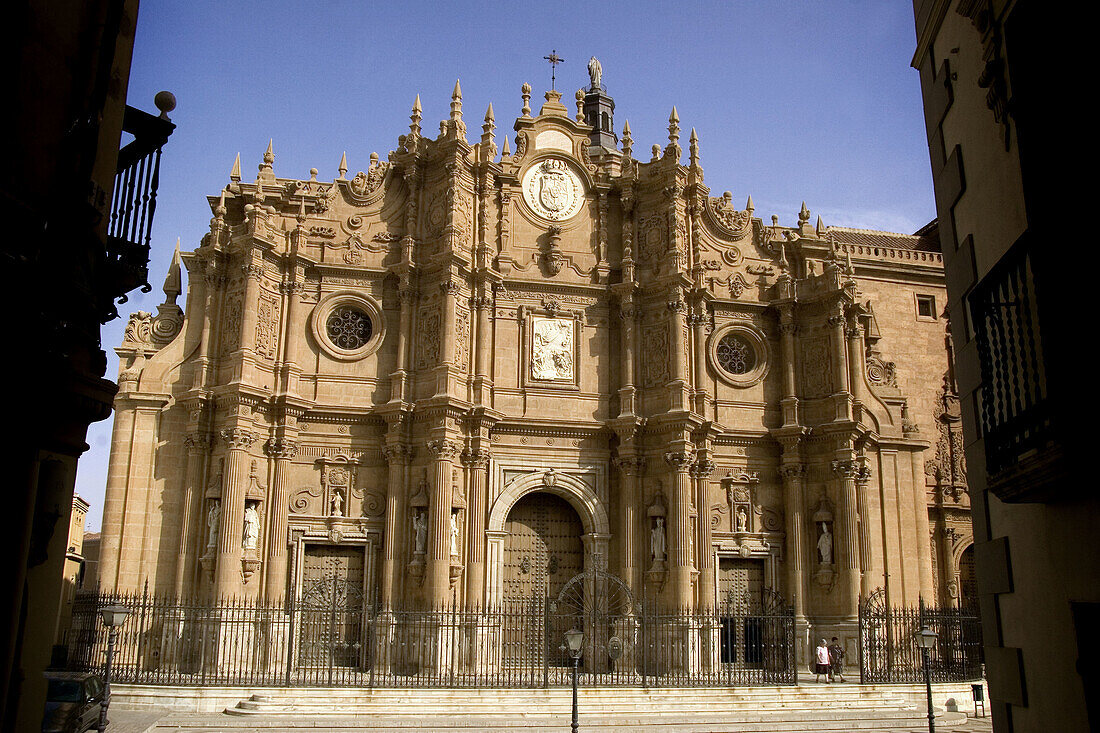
554,60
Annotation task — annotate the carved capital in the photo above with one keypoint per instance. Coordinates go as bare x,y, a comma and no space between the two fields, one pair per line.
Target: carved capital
449,287
476,458
238,438
397,453
444,450
281,448
702,468
834,321
677,305
679,460
198,442
845,469
792,472
787,329
631,465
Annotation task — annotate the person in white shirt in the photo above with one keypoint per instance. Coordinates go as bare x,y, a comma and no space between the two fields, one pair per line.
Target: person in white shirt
821,661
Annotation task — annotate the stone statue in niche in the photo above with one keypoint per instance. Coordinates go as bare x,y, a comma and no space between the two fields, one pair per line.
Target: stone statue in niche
825,545
251,527
420,532
552,349
213,518
337,504
454,534
657,540
742,520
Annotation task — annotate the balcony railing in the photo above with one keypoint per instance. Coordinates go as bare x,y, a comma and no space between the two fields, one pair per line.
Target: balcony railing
134,200
1016,417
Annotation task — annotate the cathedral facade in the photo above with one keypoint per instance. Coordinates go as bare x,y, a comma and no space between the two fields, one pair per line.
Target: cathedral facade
469,374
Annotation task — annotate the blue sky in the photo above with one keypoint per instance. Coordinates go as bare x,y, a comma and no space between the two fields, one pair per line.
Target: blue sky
792,101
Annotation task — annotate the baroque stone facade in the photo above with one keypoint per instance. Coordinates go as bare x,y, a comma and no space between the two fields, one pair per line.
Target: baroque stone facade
397,361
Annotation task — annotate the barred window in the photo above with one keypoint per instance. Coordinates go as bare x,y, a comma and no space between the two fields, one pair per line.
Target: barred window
735,354
348,327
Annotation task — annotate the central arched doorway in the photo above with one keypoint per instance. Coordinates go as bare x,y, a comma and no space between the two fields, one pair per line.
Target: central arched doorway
542,551
542,547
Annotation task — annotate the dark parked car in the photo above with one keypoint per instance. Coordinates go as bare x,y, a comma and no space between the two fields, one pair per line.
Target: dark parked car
72,702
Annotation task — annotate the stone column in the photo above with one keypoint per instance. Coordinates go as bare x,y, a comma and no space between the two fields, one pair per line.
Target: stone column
868,581
478,463
438,569
950,594
631,467
282,450
483,348
698,321
213,280
680,561
796,536
449,290
227,578
789,400
677,353
114,500
400,375
397,456
700,472
253,270
198,445
294,339
848,543
628,312
840,368
920,515
856,359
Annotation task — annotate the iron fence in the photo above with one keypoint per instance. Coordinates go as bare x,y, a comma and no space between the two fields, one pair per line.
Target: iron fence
518,643
888,651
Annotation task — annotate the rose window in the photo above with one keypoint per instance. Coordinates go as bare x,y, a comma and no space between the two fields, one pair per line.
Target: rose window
348,328
735,354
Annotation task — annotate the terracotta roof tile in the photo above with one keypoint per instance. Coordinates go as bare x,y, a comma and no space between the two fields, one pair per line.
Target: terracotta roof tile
926,240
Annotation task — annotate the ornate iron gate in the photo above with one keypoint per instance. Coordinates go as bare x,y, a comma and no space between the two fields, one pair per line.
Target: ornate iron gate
887,646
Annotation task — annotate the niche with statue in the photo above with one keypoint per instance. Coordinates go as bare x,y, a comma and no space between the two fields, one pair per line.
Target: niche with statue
824,544
656,516
418,530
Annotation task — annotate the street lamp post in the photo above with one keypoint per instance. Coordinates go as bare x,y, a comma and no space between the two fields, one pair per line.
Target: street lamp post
574,641
926,639
113,617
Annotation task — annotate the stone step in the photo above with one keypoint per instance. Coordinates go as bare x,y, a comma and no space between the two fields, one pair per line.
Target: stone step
323,707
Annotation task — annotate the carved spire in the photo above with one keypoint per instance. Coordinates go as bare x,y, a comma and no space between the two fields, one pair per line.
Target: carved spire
269,160
580,105
487,129
343,166
693,148
820,228
415,117
628,141
673,149
301,217
172,282
235,171
748,205
455,127
525,90
506,152
803,215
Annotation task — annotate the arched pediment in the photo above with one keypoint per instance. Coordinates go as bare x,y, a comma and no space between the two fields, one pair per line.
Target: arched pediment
579,495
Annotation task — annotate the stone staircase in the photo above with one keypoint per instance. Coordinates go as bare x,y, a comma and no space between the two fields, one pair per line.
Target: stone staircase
820,708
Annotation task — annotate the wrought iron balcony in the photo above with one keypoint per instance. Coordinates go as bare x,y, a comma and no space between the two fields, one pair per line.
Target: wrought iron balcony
1021,446
134,200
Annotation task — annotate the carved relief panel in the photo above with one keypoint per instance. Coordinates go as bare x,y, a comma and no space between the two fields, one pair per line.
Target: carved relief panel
551,343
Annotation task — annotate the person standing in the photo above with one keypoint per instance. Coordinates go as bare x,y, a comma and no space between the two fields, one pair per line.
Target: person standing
821,661
836,660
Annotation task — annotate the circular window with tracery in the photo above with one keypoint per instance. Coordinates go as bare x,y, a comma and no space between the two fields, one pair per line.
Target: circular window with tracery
348,326
739,354
735,354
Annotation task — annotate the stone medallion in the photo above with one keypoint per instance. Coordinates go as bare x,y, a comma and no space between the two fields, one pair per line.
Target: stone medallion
553,190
